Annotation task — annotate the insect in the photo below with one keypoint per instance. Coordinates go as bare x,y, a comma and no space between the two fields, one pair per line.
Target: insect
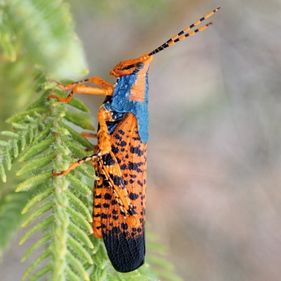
120,159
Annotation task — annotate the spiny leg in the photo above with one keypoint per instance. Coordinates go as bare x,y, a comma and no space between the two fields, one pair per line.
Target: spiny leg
81,89
76,164
88,135
94,79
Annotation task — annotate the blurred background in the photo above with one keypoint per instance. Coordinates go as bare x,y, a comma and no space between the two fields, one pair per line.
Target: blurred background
215,138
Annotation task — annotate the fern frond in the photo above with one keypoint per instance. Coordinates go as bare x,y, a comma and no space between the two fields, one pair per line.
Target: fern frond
14,143
59,206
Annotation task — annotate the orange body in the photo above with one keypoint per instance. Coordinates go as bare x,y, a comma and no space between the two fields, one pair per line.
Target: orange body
120,161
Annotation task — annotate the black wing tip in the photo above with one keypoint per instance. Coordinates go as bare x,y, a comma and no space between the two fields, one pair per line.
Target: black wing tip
126,254
128,267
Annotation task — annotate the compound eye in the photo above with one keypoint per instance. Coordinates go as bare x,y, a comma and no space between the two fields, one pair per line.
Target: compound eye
128,67
136,65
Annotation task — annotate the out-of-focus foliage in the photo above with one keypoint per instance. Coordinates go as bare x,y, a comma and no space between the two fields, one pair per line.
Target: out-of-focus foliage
107,7
11,205
43,32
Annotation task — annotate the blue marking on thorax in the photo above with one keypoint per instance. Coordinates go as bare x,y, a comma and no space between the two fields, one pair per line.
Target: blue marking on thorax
120,102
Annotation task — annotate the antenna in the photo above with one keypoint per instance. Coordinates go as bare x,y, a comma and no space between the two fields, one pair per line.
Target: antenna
187,32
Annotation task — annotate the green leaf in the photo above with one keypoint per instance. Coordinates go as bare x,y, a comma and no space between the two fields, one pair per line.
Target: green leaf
79,186
77,267
39,162
10,217
79,251
35,246
42,225
79,119
34,181
35,263
37,213
79,105
80,220
37,149
37,198
78,205
2,173
80,235
77,137
38,274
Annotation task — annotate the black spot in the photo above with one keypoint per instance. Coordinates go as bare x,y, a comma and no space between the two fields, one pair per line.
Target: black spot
115,229
106,183
117,180
114,202
107,159
106,205
121,132
124,226
139,230
136,150
115,217
107,196
114,149
131,211
132,166
125,182
139,183
131,181
103,216
114,212
133,196
123,143
118,137
123,167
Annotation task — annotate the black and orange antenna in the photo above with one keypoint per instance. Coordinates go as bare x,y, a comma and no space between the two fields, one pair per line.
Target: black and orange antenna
187,32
